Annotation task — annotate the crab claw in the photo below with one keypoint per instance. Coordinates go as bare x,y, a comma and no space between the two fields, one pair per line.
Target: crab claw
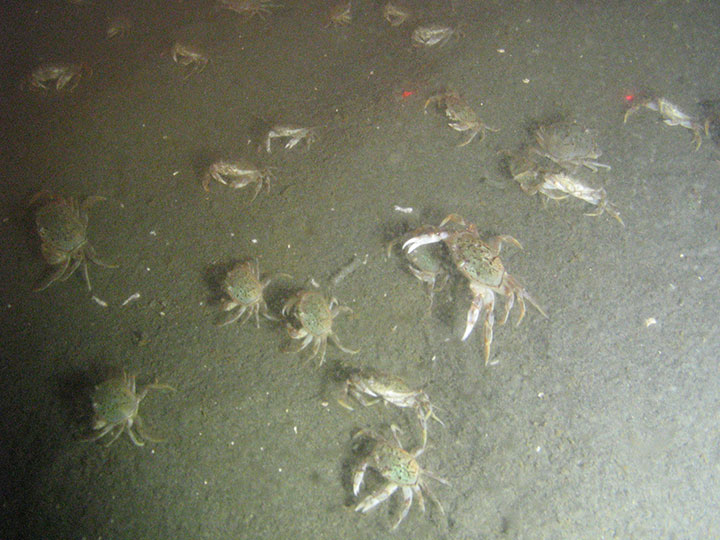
413,243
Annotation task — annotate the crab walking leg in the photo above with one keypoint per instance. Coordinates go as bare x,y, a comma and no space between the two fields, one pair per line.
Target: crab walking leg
484,300
407,493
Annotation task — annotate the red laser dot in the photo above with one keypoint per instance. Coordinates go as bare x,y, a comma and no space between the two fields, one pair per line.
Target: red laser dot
629,97
407,93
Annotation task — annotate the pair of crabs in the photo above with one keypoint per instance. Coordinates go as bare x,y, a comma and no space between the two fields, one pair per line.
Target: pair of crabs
310,314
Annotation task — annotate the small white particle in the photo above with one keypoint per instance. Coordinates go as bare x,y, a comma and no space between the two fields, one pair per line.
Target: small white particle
541,395
403,209
324,403
538,449
501,51
254,240
279,469
650,321
526,81
131,298
99,301
176,173
153,233
295,429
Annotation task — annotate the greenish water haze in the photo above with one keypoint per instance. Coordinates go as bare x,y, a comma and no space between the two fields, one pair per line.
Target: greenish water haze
593,423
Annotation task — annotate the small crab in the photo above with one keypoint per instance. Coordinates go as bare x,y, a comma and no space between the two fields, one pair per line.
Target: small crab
190,57
557,185
433,34
394,13
340,14
425,263
115,403
672,115
248,7
569,145
313,316
389,389
244,292
61,225
238,174
462,117
118,27
66,76
399,468
480,263
295,134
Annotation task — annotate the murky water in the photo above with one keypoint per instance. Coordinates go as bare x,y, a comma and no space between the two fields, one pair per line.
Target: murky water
597,422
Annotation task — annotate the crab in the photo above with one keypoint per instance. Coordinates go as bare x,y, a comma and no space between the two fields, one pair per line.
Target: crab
569,145
394,13
462,117
426,264
190,57
433,34
672,115
238,174
295,134
401,471
389,389
340,14
244,292
557,185
66,76
116,403
480,263
61,225
313,316
249,7
118,27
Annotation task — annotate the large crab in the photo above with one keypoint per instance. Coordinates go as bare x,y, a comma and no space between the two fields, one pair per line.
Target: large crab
62,226
399,468
480,263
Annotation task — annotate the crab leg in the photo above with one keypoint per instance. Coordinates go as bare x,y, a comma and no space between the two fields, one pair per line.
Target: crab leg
407,503
371,501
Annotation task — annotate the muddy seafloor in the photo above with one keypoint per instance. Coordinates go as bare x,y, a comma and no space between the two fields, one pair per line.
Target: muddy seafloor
597,422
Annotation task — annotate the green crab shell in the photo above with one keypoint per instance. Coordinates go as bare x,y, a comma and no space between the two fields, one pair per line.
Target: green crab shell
396,465
382,383
60,226
476,260
114,402
242,285
313,313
